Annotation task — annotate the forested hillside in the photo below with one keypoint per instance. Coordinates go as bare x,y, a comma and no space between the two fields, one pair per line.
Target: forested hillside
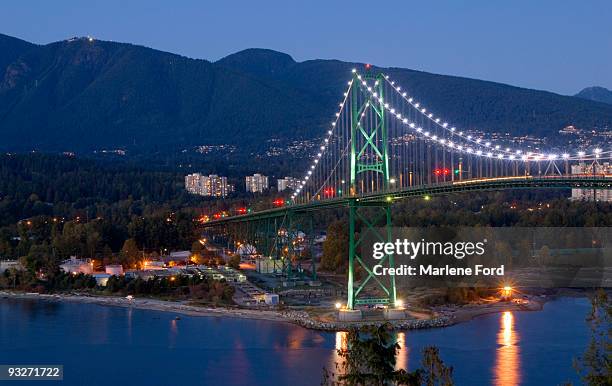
83,94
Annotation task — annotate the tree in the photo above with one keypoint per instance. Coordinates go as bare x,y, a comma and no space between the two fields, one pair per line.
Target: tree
129,253
196,247
93,243
595,365
435,372
40,258
196,252
369,360
234,261
335,248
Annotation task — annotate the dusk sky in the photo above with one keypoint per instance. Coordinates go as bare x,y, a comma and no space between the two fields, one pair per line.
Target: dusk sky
561,46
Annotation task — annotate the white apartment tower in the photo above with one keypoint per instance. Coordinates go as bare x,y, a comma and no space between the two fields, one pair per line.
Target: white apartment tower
256,183
287,183
209,186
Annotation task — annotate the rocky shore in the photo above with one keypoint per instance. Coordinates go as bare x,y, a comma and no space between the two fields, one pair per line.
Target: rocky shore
302,318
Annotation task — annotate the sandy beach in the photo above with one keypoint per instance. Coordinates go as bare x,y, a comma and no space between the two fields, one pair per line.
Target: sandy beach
152,304
449,316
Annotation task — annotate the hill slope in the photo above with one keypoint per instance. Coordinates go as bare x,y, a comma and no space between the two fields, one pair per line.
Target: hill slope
89,95
598,94
83,95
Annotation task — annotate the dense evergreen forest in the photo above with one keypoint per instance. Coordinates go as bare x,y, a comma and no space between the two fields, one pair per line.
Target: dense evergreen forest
87,208
37,184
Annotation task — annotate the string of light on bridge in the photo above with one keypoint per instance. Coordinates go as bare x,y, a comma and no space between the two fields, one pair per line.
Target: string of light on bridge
486,148
326,141
452,139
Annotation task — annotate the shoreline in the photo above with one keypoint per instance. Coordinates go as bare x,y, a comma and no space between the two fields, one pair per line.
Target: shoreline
457,314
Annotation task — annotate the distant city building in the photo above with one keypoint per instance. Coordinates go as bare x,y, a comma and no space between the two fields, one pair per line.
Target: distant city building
569,130
256,183
209,186
592,194
287,183
193,183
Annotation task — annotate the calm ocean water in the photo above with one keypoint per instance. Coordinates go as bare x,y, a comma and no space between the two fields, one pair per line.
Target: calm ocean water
101,345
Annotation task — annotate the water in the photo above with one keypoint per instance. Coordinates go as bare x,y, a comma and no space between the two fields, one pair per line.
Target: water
101,345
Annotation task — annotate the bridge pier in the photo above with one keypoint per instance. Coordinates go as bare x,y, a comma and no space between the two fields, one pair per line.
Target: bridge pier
349,315
375,221
395,313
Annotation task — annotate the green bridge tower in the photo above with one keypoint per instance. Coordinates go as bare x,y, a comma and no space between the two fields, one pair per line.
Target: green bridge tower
368,154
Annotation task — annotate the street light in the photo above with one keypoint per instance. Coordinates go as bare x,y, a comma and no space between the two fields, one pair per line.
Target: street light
506,292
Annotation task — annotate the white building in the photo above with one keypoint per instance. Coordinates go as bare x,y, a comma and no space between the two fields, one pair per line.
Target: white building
287,183
8,264
115,269
74,265
271,299
209,186
180,255
193,183
592,194
256,183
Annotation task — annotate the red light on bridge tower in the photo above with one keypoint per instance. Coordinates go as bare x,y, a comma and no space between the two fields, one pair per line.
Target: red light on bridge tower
368,66
441,172
329,192
278,202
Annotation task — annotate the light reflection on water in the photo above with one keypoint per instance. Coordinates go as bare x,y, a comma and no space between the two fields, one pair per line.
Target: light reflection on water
526,348
402,355
341,344
172,333
507,362
507,366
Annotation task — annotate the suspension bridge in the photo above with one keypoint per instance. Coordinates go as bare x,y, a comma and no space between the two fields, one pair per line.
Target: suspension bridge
382,146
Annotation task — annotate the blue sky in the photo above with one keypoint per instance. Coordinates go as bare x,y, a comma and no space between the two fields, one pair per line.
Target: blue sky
561,46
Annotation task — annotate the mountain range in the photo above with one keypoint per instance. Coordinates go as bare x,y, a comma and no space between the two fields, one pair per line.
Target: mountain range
83,94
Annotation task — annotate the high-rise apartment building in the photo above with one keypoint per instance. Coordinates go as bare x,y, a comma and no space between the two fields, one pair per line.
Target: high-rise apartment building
287,183
209,186
256,183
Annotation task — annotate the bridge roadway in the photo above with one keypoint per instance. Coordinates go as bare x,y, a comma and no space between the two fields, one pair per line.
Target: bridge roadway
599,181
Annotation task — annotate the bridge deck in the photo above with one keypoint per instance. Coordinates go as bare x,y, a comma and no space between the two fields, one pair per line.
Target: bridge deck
500,183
